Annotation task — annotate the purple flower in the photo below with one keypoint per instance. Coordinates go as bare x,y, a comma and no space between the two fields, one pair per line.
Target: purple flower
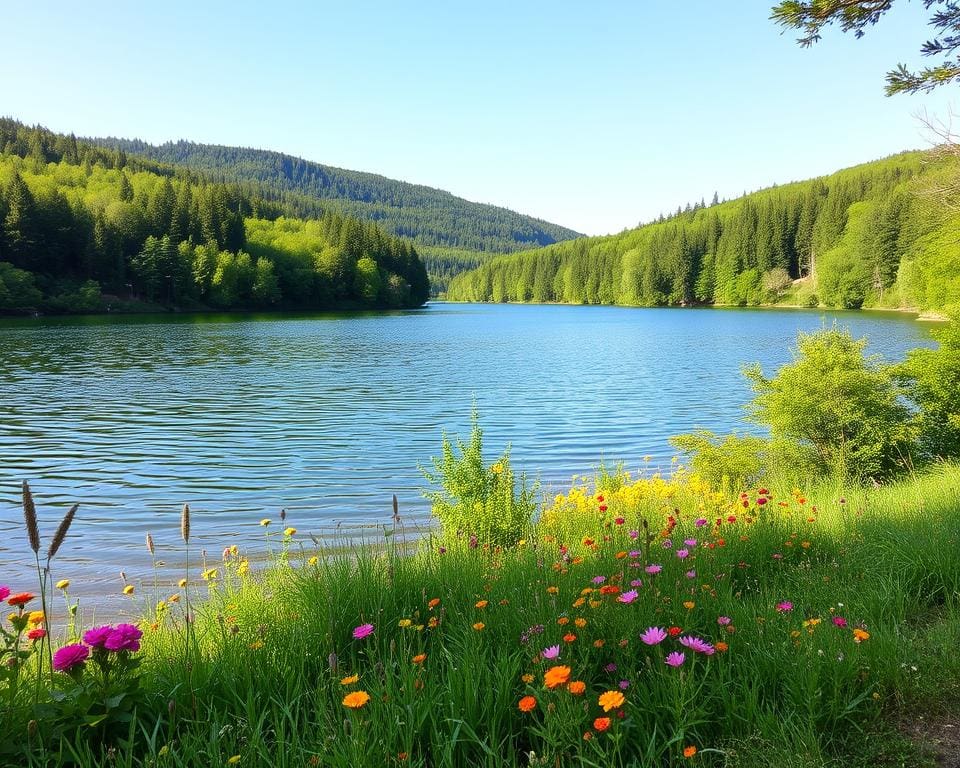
599,579
611,667
785,607
634,534
667,544
627,597
636,583
70,656
473,542
700,522
553,652
442,550
683,553
691,574
697,645
723,620
654,636
690,543
674,659
125,637
98,636
634,554
364,630
624,684
653,569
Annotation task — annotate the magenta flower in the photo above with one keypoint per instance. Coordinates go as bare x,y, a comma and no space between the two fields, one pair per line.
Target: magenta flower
627,597
697,645
125,637
653,569
691,574
611,667
700,522
599,579
4,593
840,622
364,630
634,554
634,534
723,620
690,543
654,636
674,659
553,652
624,684
70,656
785,607
683,553
98,636
636,583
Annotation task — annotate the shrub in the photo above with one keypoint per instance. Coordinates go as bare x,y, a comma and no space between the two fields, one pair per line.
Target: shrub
490,504
834,400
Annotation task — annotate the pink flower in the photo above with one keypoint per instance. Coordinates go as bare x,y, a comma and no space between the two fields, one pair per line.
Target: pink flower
653,569
364,630
628,597
611,667
98,636
785,607
654,636
70,656
634,534
636,583
723,620
691,574
599,579
552,652
690,543
623,685
840,622
683,553
4,593
674,659
125,637
700,522
697,645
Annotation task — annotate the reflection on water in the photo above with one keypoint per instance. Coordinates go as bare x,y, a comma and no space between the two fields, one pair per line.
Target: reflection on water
328,415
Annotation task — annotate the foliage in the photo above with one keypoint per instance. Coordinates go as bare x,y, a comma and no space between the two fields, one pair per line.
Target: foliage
811,16
844,406
488,505
932,378
863,237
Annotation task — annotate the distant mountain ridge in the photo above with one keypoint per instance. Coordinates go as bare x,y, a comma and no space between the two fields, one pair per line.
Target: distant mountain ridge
425,215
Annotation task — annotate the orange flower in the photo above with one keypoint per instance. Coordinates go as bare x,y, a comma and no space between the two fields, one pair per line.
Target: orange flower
611,700
356,699
349,680
580,623
419,658
20,600
527,704
721,647
563,620
601,724
689,751
689,605
433,603
599,643
479,626
552,590
481,604
859,635
577,687
556,676
569,637
609,589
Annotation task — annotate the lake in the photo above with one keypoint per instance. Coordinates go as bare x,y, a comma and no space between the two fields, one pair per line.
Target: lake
328,415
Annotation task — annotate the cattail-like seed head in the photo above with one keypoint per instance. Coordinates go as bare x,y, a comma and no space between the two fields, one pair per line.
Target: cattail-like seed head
61,533
150,547
185,523
283,515
396,509
30,518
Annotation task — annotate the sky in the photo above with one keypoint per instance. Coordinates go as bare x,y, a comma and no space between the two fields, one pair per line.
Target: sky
595,115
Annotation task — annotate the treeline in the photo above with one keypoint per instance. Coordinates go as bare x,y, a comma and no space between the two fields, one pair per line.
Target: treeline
84,228
879,235
425,215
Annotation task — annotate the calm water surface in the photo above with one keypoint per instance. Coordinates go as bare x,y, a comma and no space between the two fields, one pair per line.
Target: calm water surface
328,415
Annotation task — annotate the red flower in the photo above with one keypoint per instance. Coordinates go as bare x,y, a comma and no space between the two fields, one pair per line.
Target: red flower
37,634
20,600
674,631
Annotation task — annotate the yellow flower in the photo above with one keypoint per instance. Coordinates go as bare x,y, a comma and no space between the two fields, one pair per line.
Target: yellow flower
182,583
479,626
265,522
63,584
349,680
209,575
497,468
552,590
233,760
527,678
256,645
611,700
689,605
128,590
313,560
35,617
290,532
243,568
521,543
403,623
356,699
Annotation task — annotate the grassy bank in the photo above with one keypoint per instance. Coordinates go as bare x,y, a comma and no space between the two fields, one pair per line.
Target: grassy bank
811,625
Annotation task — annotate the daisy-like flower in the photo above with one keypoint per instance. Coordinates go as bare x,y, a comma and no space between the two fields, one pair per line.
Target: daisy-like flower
700,522
691,543
627,597
599,579
653,569
70,656
654,636
839,621
356,699
683,553
551,652
556,676
697,645
785,607
674,659
723,620
611,700
364,630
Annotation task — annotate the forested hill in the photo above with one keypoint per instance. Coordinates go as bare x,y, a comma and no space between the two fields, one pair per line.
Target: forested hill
425,215
85,228
883,234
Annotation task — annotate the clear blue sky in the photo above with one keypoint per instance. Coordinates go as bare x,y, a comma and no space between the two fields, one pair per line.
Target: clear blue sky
596,115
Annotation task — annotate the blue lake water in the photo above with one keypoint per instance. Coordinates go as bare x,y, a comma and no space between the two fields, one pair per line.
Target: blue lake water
328,415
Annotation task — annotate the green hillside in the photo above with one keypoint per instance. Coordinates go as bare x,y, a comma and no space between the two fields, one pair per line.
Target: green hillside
883,234
83,228
427,216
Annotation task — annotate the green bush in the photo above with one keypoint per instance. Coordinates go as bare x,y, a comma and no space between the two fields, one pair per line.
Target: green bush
833,400
488,504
